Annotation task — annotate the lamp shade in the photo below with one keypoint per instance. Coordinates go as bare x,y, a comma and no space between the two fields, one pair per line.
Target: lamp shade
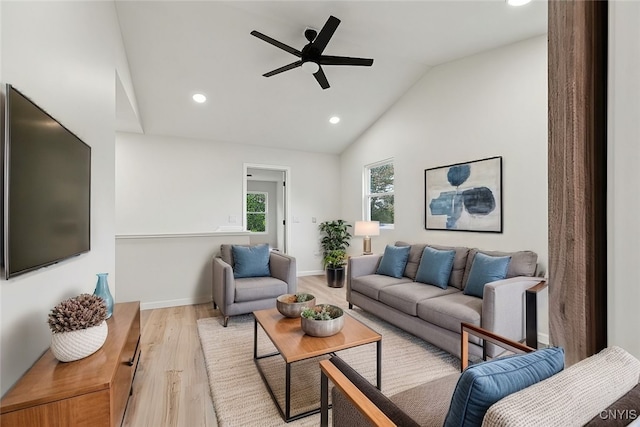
367,228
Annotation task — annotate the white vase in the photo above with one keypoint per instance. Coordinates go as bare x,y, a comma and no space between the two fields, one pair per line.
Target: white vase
75,345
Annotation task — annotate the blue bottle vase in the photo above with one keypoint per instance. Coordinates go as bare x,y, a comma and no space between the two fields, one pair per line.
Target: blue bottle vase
102,290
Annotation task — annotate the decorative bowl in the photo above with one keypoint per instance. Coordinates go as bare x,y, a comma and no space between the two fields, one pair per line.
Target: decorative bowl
324,328
293,309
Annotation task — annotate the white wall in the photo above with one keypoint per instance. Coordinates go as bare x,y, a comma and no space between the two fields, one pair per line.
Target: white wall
490,104
62,56
169,185
623,176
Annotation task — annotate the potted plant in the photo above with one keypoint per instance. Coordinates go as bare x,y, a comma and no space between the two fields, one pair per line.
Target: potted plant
291,305
334,241
78,326
323,320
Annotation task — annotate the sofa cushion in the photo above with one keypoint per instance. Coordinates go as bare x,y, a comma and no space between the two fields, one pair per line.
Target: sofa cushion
435,267
449,311
428,403
392,411
485,269
482,385
415,254
371,284
405,297
251,261
622,412
523,263
257,288
459,261
572,397
394,261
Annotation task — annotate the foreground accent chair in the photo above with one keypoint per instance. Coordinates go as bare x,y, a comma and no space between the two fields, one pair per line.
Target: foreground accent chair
236,293
522,390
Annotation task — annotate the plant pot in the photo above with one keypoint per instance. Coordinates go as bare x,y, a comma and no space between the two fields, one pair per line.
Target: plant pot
323,328
293,309
76,345
335,277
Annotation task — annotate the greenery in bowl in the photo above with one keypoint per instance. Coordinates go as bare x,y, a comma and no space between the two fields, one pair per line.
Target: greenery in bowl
299,297
322,312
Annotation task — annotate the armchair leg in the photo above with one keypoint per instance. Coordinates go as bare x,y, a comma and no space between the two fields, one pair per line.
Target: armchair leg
215,306
226,321
350,306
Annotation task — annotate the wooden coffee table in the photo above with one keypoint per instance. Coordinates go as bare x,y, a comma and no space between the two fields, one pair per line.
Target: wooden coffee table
294,345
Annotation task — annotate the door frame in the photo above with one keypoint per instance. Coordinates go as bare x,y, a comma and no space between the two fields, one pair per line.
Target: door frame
286,171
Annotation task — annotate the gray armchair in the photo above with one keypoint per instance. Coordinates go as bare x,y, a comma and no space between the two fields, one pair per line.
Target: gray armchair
236,296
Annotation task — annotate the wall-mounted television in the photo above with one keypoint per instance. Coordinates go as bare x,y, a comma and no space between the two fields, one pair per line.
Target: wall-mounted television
47,188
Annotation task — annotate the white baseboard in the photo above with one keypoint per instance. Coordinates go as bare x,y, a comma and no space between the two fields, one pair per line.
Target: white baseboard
311,273
543,339
174,302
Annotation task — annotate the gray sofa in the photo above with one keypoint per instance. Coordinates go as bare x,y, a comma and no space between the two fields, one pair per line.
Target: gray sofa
237,296
435,314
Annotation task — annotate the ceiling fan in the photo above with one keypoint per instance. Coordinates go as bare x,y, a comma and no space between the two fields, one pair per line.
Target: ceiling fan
311,57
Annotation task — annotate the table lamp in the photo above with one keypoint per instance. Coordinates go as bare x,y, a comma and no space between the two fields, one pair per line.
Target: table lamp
367,229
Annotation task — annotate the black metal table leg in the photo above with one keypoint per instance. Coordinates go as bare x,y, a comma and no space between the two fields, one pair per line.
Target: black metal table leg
379,364
287,395
324,400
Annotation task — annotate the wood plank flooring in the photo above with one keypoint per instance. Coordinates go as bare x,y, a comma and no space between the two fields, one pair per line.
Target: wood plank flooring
171,386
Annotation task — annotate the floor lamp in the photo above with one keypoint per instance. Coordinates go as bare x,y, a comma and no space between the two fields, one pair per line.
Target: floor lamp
367,229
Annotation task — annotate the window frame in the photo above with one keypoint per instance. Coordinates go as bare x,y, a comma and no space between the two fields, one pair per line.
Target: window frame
366,191
266,212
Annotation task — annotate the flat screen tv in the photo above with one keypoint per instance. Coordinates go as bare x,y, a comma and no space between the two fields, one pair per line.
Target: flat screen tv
47,188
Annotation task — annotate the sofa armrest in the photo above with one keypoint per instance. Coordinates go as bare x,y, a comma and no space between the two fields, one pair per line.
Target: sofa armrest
283,267
367,408
223,283
363,265
503,308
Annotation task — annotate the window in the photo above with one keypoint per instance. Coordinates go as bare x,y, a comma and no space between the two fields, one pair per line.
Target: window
257,211
379,193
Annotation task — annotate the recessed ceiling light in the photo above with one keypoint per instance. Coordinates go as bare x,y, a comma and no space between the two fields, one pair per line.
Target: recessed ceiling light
334,120
199,98
517,2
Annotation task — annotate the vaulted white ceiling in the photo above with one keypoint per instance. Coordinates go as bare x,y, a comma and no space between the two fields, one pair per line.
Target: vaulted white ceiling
178,48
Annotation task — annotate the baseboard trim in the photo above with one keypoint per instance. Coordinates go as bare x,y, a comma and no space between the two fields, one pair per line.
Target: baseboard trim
174,302
311,273
543,339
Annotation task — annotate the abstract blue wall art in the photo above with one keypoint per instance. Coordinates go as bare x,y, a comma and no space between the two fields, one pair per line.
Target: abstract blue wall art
464,196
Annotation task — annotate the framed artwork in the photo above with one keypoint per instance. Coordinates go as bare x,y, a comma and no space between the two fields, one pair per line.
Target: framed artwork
464,196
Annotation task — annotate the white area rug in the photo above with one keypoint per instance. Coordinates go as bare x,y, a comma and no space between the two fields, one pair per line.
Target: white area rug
240,397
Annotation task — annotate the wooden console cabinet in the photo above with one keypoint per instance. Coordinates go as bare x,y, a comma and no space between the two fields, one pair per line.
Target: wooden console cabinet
93,391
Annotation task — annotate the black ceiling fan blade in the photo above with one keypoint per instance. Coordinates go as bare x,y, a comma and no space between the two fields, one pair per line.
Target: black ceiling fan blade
323,37
345,60
276,43
321,78
283,69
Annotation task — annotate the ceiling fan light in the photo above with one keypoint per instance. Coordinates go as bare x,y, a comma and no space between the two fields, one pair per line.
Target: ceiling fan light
310,67
199,98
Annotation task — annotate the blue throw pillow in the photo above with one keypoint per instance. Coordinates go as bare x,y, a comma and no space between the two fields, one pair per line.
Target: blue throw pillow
394,261
482,385
485,269
435,267
250,261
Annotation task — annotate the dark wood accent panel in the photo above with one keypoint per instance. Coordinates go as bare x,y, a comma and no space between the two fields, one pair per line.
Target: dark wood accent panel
577,176
89,392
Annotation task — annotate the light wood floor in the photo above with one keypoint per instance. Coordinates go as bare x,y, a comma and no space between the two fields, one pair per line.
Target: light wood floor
171,386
